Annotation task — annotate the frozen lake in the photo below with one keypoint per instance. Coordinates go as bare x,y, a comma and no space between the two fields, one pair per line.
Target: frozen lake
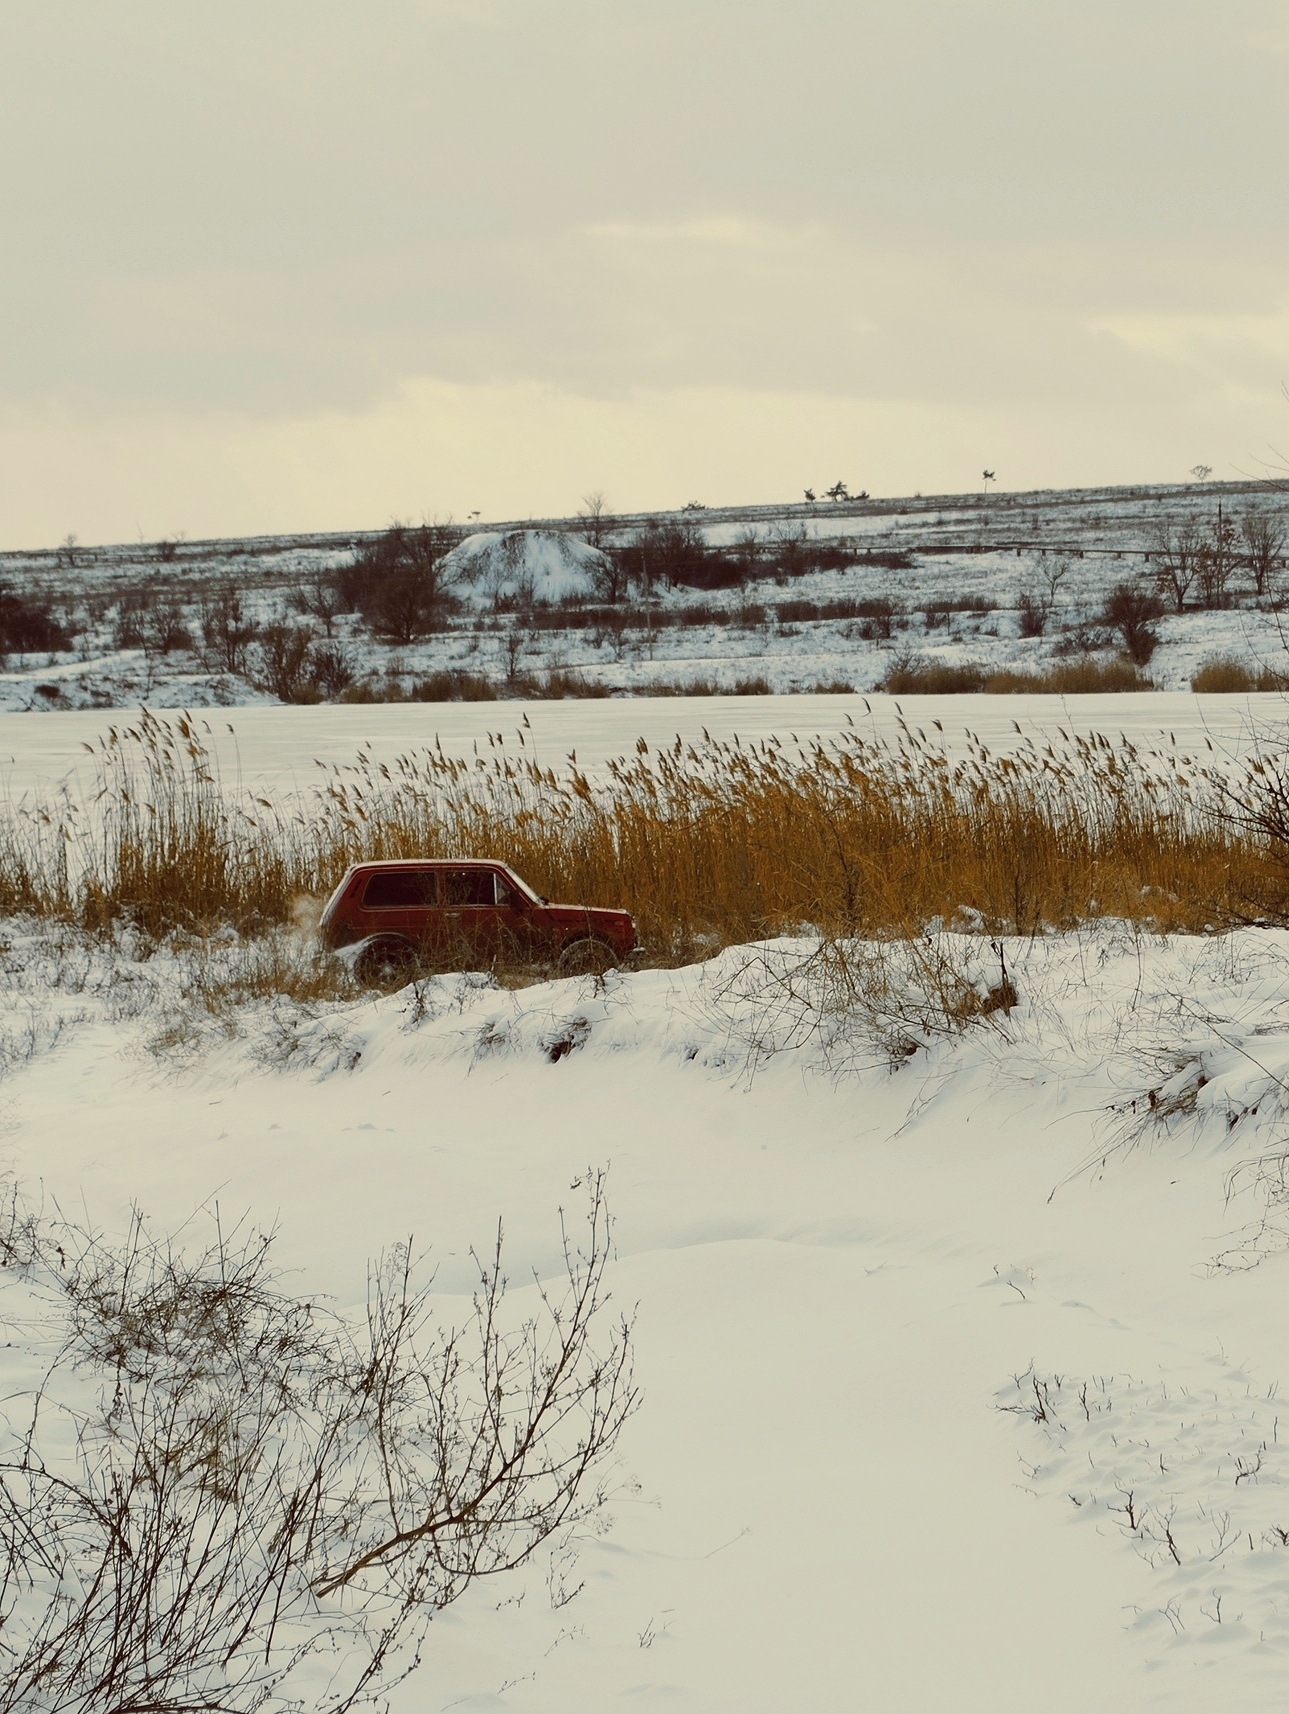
278,748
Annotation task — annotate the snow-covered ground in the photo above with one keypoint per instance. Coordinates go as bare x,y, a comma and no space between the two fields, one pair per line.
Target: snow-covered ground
936,1360
989,551
960,1369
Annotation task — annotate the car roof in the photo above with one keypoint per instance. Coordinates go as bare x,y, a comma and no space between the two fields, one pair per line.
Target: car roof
430,863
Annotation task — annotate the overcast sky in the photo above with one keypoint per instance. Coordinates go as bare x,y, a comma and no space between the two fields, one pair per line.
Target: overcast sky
313,264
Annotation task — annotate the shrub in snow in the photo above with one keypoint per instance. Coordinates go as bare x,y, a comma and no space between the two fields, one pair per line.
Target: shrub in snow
403,582
219,1496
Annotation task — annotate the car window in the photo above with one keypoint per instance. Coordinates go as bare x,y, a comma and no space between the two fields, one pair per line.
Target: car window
469,887
400,889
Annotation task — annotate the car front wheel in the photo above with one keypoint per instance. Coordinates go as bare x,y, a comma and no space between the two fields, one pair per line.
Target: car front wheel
588,957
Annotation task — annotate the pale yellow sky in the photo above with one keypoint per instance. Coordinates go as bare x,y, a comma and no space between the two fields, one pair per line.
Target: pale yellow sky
311,265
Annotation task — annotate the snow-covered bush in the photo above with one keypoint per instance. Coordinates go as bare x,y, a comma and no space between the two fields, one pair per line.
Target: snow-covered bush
216,1495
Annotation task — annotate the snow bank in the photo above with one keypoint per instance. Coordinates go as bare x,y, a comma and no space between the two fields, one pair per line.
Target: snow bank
842,1257
528,567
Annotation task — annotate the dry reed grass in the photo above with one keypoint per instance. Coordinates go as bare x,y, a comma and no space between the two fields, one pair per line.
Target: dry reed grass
1086,676
709,844
1224,675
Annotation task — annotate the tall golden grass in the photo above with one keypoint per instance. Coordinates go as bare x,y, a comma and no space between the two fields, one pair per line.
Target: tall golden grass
1225,675
708,844
1085,675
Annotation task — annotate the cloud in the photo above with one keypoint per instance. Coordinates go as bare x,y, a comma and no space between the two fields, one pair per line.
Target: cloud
250,227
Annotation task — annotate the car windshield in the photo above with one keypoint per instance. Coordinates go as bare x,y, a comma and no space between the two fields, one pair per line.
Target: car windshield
522,887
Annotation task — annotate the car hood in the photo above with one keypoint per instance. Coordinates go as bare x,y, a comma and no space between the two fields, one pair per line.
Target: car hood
575,914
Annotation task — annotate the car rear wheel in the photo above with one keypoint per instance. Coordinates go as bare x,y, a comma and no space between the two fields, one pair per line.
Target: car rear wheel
386,964
589,957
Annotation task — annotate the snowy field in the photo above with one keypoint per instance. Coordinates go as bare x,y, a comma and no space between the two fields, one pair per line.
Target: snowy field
280,748
853,1284
951,574
960,1378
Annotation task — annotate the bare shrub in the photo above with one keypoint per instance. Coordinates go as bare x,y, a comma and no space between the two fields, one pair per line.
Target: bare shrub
400,582
283,662
129,622
1131,610
29,626
332,669
228,628
846,997
910,675
147,619
216,1484
1032,614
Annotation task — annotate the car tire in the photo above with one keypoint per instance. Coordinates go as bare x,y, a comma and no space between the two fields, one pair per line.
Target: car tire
387,964
588,957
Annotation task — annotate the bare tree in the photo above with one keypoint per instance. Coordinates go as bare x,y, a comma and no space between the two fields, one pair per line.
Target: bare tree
216,1483
611,575
1263,535
1038,600
165,626
1175,550
320,597
747,550
1216,562
402,583
594,518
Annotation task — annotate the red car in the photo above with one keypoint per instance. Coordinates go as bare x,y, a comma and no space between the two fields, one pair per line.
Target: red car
462,913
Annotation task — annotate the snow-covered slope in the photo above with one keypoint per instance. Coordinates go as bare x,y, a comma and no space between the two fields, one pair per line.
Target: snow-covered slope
943,578
841,1269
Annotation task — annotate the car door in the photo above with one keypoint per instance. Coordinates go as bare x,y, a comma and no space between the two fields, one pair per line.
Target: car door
473,927
519,921
403,902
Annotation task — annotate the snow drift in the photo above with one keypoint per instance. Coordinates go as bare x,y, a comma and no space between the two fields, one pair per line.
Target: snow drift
960,1329
525,567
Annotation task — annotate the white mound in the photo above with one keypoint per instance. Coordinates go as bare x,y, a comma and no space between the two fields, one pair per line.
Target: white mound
525,566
